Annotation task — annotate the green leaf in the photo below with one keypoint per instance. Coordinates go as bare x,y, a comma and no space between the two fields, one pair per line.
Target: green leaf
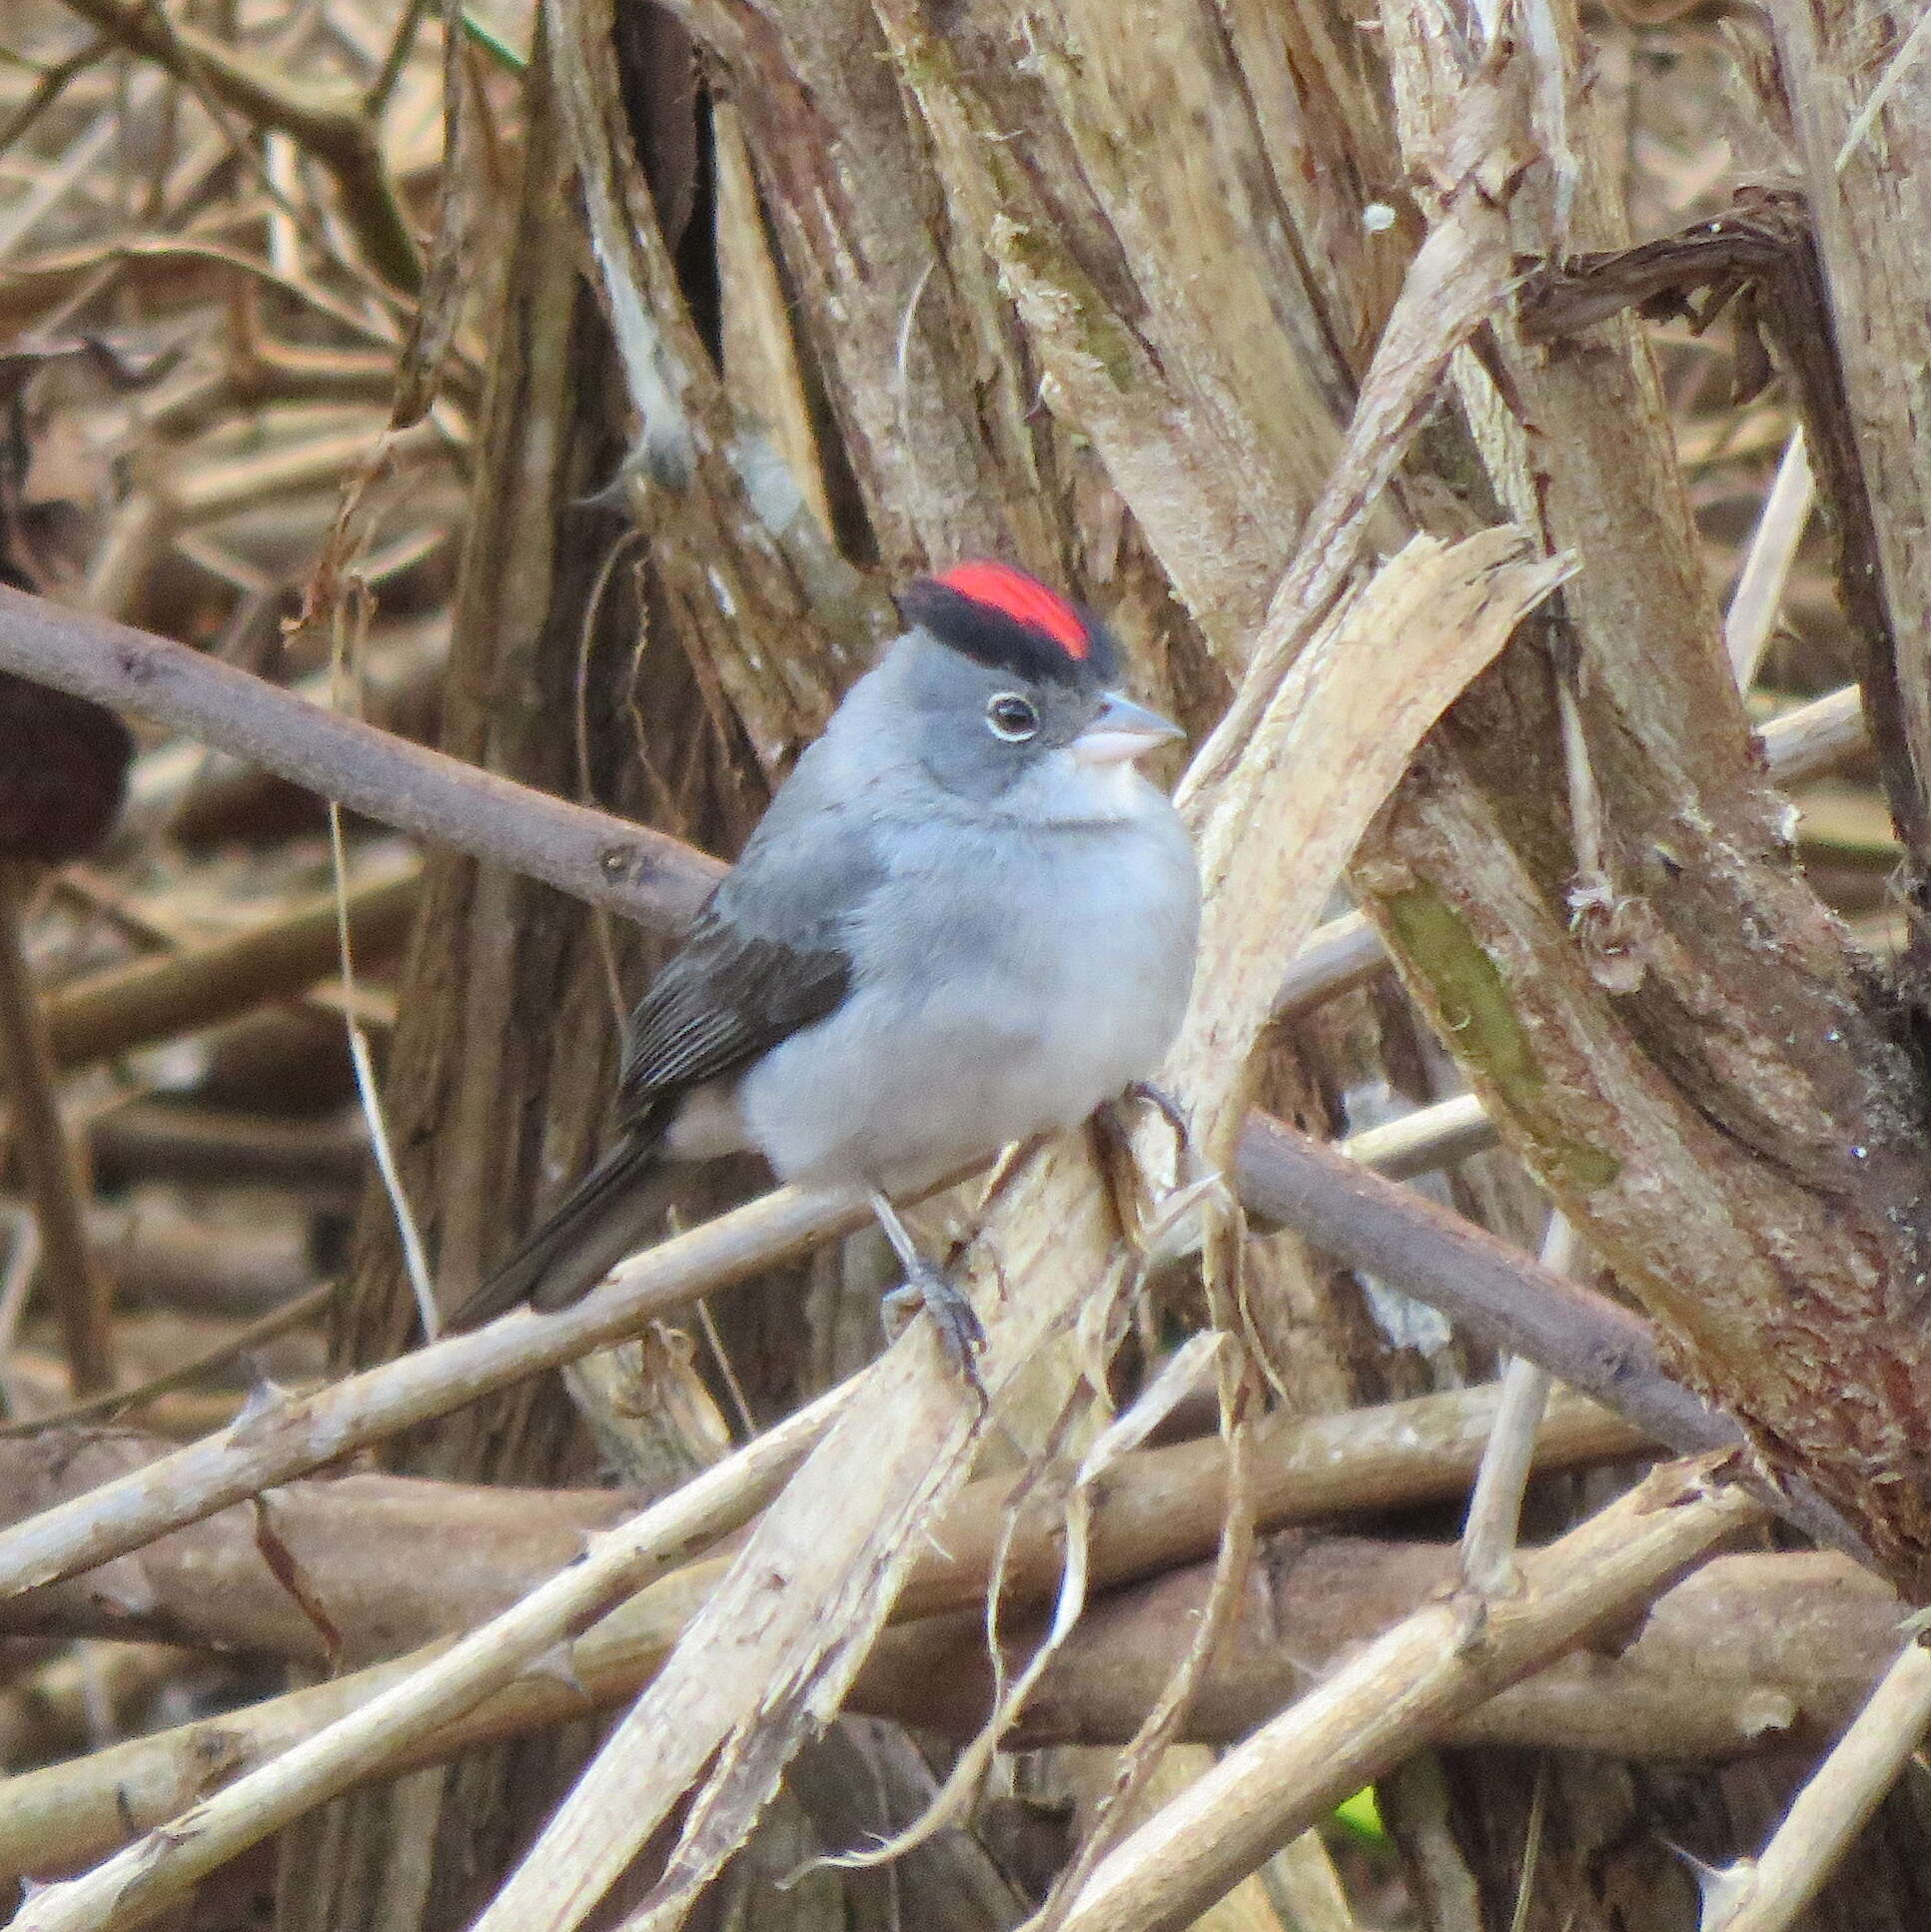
1363,1816
493,43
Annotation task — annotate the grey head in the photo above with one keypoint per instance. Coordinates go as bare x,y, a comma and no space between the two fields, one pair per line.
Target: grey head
1008,693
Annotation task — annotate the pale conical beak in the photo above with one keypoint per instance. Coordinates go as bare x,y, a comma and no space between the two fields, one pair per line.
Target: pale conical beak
1123,731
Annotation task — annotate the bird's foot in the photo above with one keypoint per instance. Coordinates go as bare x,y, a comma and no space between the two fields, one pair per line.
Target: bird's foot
960,1335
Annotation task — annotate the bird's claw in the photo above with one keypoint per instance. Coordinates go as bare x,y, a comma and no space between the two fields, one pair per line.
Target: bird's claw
960,1334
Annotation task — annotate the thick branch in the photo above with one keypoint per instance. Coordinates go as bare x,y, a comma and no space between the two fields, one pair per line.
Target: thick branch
1749,1651
1158,1506
653,879
649,877
359,1537
1403,1688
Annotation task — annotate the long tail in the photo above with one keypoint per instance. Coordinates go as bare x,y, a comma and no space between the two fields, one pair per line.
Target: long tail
569,1251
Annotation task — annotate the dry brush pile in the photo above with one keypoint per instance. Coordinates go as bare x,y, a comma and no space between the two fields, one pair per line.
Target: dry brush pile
1495,429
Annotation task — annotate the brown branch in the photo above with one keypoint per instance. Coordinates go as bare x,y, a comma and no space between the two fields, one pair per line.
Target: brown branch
1158,1506
655,880
359,1537
1748,1652
1403,1689
153,1140
80,1289
1471,1275
277,957
328,124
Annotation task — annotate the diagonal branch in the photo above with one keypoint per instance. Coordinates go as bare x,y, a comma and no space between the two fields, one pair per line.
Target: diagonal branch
608,861
1400,1690
1160,1507
1361,1220
1771,1893
328,124
646,876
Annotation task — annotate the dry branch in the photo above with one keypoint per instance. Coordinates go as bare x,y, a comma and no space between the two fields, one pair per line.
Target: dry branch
1583,1338
1849,315
140,1881
1368,1223
1454,607
275,957
1674,1034
653,879
1749,1653
1768,1893
1159,1507
1399,1693
205,1583
334,128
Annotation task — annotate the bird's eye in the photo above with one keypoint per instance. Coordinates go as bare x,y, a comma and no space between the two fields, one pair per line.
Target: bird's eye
1011,717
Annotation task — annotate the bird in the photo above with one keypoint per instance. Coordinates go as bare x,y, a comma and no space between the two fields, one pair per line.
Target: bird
965,920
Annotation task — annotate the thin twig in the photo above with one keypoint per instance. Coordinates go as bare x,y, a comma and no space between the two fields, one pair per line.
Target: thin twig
1426,1140
81,1292
376,101
50,86
416,1261
1859,130
1829,1812
1495,1510
1753,615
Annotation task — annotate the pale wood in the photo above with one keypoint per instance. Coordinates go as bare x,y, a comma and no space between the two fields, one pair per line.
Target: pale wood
1398,1691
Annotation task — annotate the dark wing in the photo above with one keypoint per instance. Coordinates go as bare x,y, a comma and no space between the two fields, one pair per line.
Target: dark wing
723,998
764,958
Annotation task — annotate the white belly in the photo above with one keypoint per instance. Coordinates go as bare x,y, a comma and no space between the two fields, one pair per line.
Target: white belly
1001,993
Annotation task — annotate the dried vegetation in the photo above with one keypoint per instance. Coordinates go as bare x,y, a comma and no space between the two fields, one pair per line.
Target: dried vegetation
1498,431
